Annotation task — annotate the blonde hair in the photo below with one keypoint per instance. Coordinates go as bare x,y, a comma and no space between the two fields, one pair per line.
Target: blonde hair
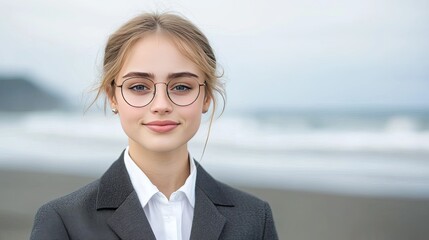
190,41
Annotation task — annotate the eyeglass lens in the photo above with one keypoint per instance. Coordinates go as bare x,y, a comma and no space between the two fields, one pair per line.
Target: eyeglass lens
139,92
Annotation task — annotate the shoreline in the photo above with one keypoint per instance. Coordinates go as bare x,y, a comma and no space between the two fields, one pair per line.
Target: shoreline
298,214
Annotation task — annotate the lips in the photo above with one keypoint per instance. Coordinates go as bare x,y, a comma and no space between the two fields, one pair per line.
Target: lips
161,126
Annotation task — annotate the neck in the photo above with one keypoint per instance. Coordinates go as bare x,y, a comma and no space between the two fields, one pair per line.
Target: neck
168,171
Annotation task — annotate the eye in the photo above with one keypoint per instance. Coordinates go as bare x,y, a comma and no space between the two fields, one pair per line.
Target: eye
180,88
139,88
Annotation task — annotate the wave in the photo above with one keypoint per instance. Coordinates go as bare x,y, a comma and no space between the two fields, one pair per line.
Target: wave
396,134
241,150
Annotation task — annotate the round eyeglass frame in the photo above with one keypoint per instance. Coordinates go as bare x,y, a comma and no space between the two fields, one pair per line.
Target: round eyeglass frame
154,93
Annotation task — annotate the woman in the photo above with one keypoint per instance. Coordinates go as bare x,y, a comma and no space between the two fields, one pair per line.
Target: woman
159,76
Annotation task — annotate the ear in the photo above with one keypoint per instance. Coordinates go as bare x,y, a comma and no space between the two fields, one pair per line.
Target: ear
111,96
112,102
206,104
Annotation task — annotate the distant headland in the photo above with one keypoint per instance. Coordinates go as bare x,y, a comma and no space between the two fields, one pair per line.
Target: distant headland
21,94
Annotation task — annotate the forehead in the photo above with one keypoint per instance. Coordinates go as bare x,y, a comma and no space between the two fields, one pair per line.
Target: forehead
158,54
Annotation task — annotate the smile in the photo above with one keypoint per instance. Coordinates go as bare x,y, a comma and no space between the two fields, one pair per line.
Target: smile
161,126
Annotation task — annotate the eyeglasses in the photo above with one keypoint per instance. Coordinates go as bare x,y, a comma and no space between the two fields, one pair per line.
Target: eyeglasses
139,92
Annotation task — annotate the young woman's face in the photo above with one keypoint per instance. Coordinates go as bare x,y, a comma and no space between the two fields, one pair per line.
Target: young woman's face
160,126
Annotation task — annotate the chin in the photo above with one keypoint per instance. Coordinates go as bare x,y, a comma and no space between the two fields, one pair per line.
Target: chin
163,146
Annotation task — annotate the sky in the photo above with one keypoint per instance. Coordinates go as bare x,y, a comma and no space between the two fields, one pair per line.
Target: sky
290,54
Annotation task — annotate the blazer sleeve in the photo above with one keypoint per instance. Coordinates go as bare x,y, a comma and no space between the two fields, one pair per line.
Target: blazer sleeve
48,225
270,232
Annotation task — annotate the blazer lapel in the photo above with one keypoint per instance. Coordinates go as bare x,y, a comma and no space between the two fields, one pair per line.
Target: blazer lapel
129,220
117,193
208,222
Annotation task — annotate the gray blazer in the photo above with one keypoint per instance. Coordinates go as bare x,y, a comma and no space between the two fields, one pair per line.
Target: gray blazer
109,208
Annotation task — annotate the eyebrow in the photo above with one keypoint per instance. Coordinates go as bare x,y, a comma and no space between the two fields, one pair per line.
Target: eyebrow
139,74
182,74
152,76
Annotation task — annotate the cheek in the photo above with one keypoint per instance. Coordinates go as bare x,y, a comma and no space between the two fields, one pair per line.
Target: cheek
128,116
194,118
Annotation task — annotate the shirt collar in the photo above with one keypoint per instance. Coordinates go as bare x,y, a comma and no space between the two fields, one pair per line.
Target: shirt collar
144,187
189,187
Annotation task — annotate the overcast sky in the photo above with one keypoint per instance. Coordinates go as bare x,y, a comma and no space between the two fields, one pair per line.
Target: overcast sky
276,54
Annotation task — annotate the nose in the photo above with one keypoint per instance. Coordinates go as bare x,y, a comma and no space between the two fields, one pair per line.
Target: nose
161,104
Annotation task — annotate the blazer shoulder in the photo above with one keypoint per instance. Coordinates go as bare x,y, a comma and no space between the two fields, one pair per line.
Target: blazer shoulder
113,182
238,196
223,194
50,219
79,198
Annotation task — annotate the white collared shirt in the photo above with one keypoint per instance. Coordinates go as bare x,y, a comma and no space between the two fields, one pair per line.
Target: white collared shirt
169,219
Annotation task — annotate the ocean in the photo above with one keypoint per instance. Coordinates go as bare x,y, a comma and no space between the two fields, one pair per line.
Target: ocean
376,153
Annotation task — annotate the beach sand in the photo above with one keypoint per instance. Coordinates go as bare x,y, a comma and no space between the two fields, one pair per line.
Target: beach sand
299,215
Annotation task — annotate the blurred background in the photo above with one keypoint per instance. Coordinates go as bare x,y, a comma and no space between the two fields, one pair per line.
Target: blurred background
327,116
